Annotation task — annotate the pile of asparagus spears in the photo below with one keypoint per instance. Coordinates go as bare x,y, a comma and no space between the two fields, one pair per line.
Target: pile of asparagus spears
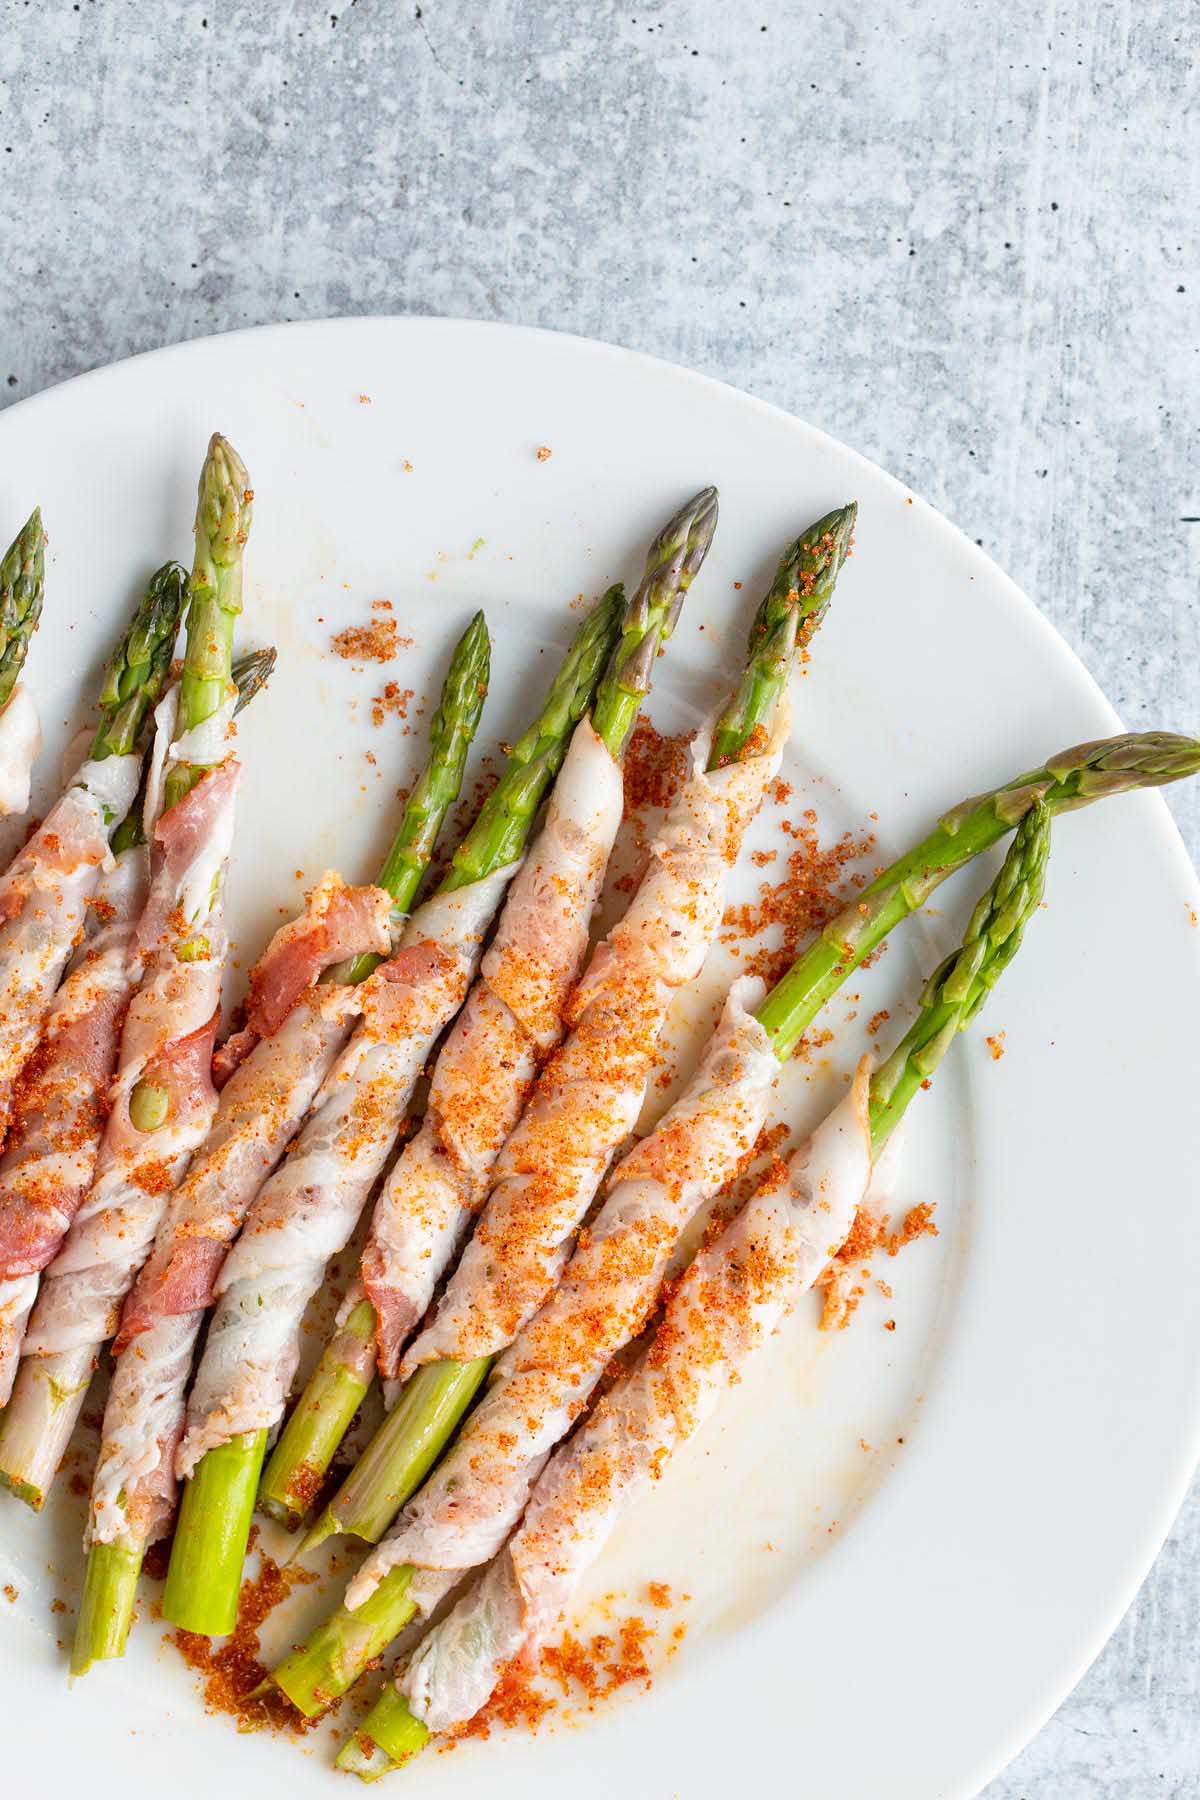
172,1206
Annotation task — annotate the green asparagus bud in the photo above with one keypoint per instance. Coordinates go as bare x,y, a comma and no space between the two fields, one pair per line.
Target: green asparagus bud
791,613
957,989
672,563
22,588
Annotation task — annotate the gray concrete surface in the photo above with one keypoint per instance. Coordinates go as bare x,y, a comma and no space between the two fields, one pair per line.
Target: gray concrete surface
959,234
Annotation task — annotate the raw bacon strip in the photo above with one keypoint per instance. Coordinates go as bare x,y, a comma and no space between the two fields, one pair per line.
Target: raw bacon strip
590,1093
48,1165
308,1209
734,1295
511,1022
20,741
337,922
43,905
465,1511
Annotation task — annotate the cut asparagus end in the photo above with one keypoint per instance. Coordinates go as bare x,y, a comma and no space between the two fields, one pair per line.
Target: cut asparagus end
36,1425
401,1453
332,1657
308,1442
389,1735
204,1576
106,1609
33,1497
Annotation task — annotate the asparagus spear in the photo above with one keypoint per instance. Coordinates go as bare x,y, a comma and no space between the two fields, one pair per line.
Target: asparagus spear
392,1733
225,507
22,588
672,563
400,1454
137,671
1075,777
338,1385
198,1591
787,620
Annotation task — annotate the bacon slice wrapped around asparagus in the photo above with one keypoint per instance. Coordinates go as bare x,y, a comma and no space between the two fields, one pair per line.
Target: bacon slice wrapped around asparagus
589,1094
732,1298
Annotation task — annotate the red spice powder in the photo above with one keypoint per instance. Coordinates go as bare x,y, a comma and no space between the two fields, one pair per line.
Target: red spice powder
655,768
393,703
376,641
233,1672
806,897
590,1669
843,1290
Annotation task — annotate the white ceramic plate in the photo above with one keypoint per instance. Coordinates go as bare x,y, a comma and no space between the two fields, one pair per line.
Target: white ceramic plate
893,1620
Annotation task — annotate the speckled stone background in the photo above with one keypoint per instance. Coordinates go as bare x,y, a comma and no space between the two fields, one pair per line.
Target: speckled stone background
959,234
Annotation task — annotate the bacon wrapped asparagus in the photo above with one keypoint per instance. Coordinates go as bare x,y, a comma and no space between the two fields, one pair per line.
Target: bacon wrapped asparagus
306,1213
45,891
50,1161
22,588
512,1021
589,1094
162,1099
732,1298
540,1384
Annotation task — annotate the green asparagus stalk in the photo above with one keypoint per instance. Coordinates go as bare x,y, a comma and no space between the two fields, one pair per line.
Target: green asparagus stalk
322,1415
451,734
791,613
1076,777
391,1734
22,589
793,607
672,563
957,989
224,509
251,673
137,672
106,1607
